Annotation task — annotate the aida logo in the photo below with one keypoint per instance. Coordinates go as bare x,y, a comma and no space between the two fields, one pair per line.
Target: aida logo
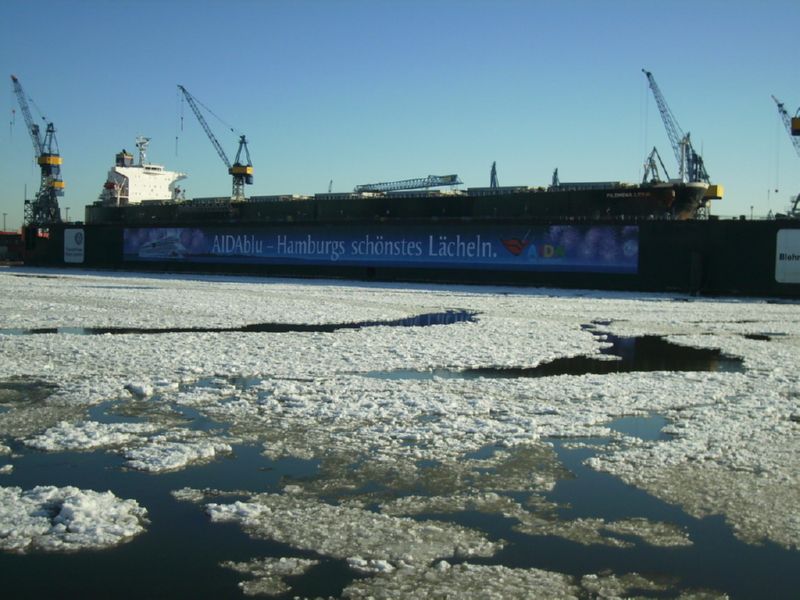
548,251
515,246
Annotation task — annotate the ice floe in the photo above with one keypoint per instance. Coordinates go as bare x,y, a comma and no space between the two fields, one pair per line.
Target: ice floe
347,532
88,435
53,519
470,581
733,446
268,575
175,450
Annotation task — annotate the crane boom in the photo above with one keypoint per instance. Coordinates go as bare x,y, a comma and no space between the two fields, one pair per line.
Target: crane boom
43,209
690,164
409,184
196,110
787,121
33,128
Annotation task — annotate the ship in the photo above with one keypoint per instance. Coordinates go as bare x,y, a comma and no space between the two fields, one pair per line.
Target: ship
143,182
655,235
145,193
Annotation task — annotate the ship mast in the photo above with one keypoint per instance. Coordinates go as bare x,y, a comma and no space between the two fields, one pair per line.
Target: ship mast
141,146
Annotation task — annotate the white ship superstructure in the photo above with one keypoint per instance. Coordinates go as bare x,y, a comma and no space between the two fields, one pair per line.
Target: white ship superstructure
129,183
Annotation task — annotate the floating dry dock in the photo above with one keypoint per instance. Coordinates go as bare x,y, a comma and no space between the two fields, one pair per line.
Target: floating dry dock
695,256
602,235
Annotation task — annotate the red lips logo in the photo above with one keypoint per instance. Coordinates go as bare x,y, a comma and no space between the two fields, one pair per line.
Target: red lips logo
515,245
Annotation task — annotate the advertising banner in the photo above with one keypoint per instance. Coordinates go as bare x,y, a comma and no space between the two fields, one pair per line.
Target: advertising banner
576,248
787,256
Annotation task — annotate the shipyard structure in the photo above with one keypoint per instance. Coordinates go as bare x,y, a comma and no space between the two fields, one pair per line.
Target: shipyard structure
657,235
598,235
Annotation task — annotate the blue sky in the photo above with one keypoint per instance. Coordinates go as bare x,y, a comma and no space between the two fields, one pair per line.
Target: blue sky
360,91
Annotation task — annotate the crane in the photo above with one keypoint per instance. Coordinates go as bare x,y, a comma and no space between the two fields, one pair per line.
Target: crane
690,164
493,181
242,173
43,209
409,184
792,125
651,168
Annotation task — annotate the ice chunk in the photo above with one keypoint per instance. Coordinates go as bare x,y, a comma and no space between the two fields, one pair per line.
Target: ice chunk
88,435
348,532
268,574
53,519
175,450
139,390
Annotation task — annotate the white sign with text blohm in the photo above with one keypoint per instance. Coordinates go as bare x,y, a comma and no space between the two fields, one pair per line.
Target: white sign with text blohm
787,256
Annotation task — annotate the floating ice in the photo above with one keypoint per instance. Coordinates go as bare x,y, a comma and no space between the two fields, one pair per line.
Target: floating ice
6,469
139,390
469,581
347,532
88,435
734,451
614,533
53,519
268,574
175,450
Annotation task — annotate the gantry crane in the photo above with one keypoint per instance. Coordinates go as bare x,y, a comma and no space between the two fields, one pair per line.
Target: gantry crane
43,209
242,173
792,125
409,184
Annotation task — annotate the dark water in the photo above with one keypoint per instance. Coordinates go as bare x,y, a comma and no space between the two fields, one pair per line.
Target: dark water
716,561
644,353
424,320
179,555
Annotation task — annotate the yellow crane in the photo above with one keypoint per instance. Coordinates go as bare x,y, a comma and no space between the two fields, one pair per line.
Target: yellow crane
43,209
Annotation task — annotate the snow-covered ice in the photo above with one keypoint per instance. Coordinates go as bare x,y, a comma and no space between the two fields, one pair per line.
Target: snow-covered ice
268,574
347,532
88,435
175,450
49,518
469,581
733,448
